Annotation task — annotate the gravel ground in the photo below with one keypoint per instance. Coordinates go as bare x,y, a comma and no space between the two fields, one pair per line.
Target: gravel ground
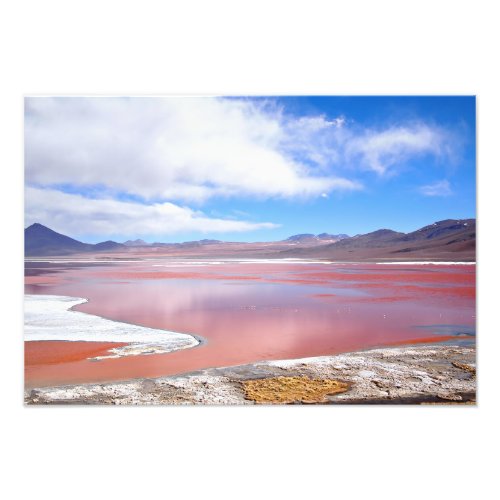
399,375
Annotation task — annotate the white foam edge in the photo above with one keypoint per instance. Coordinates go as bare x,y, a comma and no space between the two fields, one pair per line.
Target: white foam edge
51,318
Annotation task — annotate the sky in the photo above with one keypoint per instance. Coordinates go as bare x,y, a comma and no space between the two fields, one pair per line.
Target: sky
169,169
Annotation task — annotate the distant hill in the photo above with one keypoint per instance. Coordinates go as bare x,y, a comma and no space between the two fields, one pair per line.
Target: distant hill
108,246
190,244
326,236
136,243
301,237
312,238
41,241
379,238
448,239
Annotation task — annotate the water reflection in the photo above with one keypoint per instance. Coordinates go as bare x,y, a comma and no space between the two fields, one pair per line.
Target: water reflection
252,312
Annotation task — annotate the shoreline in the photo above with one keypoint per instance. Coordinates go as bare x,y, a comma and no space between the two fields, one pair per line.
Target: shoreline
415,374
55,318
264,260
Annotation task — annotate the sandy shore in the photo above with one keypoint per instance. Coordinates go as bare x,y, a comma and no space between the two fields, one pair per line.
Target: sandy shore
399,375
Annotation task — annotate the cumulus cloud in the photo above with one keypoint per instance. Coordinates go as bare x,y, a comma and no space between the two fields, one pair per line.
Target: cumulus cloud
168,152
438,188
74,214
381,150
175,148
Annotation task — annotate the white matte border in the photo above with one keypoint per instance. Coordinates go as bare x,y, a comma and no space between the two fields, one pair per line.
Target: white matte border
228,47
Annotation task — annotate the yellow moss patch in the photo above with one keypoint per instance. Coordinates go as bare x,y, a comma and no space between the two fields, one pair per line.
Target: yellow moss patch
464,367
291,389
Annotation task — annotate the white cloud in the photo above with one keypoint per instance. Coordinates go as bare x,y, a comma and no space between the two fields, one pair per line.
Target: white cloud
381,150
176,148
196,148
188,150
438,188
74,214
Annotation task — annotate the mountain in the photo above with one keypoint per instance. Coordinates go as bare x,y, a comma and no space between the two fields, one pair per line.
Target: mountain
136,243
379,238
448,239
312,238
190,244
107,246
42,241
326,236
300,238
443,229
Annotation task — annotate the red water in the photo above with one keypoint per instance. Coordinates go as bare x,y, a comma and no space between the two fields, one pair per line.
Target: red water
251,312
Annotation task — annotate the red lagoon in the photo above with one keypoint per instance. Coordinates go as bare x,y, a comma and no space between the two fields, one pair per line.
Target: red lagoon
249,311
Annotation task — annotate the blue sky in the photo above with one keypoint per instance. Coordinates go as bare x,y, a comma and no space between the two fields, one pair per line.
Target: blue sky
247,169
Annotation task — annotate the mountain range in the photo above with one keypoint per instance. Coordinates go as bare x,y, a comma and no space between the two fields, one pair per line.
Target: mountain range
323,237
444,240
39,240
447,240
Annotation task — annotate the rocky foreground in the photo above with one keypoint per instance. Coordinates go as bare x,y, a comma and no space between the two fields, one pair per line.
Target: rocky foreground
400,375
